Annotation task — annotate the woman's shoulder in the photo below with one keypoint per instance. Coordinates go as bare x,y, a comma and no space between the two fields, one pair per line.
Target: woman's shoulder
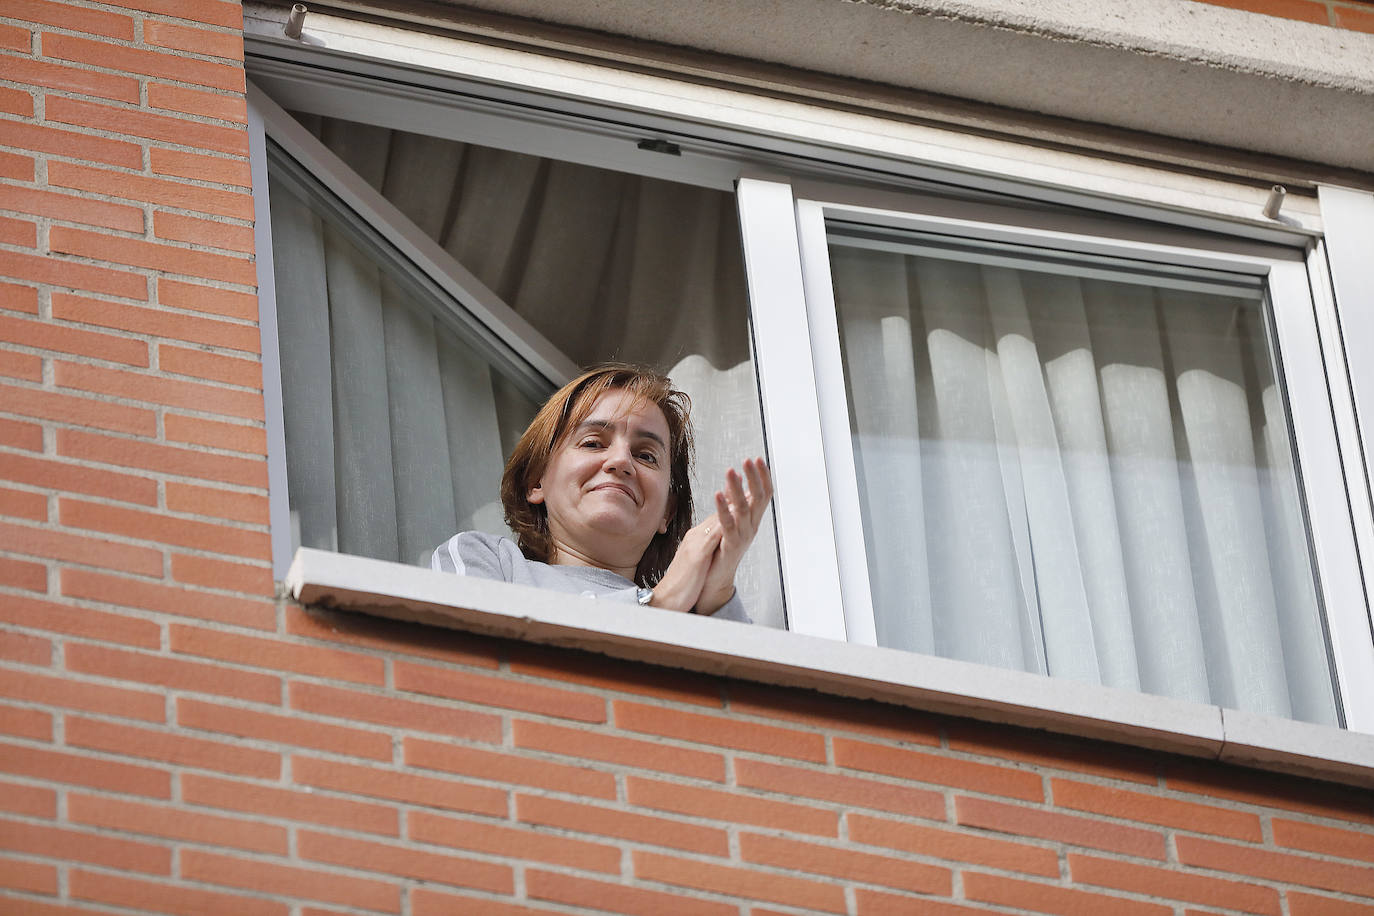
476,553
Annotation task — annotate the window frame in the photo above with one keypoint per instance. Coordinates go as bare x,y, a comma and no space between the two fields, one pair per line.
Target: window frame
717,143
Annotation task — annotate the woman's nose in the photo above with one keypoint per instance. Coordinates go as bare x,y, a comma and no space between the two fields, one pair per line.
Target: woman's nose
618,458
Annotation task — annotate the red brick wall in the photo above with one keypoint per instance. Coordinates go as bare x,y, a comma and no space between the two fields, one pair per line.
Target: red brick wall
1343,14
173,739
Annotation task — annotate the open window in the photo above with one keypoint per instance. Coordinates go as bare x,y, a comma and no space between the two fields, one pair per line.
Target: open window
1043,448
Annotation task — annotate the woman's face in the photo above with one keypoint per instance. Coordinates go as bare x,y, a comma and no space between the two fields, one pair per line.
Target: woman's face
605,487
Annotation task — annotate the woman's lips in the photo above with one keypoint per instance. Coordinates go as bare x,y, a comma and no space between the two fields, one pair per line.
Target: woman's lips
618,487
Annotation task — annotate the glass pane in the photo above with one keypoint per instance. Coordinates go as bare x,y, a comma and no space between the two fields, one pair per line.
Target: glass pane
1079,468
397,420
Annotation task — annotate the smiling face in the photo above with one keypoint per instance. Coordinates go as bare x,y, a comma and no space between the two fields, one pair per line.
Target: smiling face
606,484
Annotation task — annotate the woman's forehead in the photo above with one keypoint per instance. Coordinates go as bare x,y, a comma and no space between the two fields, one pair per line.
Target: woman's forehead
621,406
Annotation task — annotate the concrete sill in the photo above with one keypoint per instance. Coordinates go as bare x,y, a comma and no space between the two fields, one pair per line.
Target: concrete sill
778,657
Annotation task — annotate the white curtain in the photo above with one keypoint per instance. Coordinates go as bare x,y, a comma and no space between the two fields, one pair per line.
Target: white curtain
605,265
1079,477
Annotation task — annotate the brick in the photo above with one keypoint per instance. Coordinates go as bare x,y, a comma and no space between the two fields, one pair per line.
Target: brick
183,602
425,901
649,755
720,731
17,297
938,769
171,747
52,75
845,864
209,12
1303,10
290,881
78,410
169,392
223,574
1330,841
72,144
1276,866
70,275
20,722
1020,820
19,434
740,882
24,504
173,673
380,709
499,691
211,43
1046,898
1301,904
30,877
173,822
18,167
1173,885
32,577
730,807
1268,790
214,169
178,227
26,366
290,731
235,437
165,529
955,845
14,38
162,323
276,654
146,125
839,788
163,897
143,189
404,862
511,842
200,103
61,476
393,637
16,101
611,674
227,504
80,770
882,903
1156,809
215,367
57,545
147,63
56,617
25,649
288,804
55,337
603,896
71,208
30,801
18,232
1358,20
170,459
508,768
73,18
172,259
624,825
80,846
35,908
68,693
398,785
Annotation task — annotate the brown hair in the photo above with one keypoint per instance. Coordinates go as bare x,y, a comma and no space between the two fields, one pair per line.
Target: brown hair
563,413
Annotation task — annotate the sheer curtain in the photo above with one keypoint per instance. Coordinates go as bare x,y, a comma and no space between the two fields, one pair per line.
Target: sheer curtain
605,265
1088,478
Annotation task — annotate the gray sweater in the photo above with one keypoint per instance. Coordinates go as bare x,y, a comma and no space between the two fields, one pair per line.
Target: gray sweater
476,553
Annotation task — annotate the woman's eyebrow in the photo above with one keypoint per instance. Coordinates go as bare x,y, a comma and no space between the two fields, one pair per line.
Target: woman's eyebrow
600,425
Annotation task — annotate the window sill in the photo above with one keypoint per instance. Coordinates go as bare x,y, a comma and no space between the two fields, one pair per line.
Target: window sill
791,659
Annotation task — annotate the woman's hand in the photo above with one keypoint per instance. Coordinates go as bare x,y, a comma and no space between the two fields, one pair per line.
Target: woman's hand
738,514
682,582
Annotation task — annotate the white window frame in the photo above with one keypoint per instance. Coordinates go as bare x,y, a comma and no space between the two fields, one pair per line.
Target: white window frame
721,141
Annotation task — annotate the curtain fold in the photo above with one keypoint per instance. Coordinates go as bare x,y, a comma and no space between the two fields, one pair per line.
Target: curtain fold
1088,478
606,265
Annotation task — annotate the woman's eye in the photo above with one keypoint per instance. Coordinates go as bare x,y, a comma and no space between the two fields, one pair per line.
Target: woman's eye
589,443
648,457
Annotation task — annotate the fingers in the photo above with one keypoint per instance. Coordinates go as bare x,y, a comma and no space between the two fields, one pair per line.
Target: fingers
760,487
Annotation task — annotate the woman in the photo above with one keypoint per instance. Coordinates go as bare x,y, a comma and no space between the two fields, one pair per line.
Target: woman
598,493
